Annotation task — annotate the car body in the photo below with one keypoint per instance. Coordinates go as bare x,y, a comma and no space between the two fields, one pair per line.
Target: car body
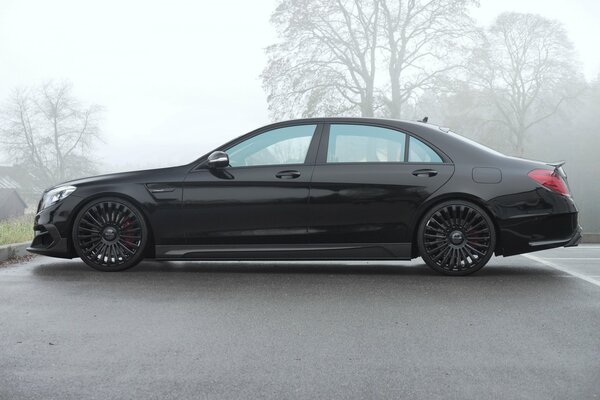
324,188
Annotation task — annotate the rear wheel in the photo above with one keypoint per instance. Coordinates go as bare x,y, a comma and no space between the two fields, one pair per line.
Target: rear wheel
456,238
110,234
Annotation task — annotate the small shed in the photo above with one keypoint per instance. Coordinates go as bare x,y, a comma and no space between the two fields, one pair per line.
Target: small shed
11,204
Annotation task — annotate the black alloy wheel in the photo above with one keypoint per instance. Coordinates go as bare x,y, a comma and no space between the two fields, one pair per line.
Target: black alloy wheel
110,234
456,238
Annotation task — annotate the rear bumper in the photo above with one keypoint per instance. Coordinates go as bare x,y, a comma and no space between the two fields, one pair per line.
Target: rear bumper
571,242
576,239
541,232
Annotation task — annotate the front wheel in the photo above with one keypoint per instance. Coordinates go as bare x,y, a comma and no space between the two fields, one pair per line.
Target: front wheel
110,234
456,238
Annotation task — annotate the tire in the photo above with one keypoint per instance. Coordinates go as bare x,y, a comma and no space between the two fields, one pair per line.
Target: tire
456,238
110,234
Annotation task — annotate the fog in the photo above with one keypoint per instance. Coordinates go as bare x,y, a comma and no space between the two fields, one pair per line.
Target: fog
172,80
169,74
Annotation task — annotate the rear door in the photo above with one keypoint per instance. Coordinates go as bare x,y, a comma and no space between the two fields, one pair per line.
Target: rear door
369,181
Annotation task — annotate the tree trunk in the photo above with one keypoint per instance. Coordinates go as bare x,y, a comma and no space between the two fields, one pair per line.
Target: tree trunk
395,105
368,101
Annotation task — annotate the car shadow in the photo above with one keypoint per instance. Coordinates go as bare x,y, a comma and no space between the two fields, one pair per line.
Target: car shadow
284,281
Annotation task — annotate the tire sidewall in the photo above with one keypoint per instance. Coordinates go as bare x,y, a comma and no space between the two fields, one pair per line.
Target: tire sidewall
436,208
133,261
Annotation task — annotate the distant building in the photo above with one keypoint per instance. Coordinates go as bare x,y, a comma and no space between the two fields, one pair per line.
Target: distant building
11,204
23,182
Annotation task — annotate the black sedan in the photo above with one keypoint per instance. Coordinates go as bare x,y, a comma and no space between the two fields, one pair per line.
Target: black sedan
318,189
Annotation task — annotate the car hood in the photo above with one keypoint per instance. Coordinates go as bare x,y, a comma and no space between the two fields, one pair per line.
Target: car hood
129,176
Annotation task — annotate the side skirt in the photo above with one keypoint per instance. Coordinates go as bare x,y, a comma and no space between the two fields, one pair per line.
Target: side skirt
332,251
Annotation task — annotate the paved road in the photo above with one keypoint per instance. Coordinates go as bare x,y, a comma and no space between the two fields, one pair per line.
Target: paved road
518,329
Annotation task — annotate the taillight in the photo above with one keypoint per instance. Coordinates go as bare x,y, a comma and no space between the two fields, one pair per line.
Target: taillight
550,180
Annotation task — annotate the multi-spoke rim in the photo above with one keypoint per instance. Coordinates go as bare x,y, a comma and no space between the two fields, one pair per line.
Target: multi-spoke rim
457,237
109,233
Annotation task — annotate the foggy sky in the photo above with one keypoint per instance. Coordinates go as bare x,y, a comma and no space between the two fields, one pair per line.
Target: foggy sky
179,78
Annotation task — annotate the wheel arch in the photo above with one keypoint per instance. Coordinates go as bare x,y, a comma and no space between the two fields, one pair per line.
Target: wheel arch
149,251
431,203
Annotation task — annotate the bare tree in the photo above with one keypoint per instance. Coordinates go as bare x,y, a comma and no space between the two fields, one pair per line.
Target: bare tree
326,60
49,132
366,57
423,42
528,71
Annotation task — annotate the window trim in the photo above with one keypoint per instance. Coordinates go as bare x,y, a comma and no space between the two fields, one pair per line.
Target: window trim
324,147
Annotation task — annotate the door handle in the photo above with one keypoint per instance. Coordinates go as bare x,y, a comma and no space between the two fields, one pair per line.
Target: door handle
425,172
288,174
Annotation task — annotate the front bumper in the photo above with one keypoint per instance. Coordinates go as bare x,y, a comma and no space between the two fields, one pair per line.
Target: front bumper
47,241
52,227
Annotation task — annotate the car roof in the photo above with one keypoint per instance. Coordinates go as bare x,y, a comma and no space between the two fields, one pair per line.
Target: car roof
429,132
362,120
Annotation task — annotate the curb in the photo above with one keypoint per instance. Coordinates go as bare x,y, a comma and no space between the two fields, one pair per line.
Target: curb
13,250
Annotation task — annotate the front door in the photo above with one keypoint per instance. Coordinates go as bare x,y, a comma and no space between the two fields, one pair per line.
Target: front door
261,198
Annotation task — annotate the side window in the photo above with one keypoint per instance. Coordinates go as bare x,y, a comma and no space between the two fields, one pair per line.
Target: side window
364,143
287,145
420,152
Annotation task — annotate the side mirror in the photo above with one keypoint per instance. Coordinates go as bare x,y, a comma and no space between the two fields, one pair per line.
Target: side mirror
218,159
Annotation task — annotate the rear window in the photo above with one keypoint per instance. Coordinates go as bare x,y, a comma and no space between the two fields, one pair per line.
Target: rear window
420,152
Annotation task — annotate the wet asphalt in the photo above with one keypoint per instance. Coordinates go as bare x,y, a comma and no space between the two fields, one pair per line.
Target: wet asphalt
518,329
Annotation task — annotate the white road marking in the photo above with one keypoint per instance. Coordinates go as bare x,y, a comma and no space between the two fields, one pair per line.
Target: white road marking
563,269
571,258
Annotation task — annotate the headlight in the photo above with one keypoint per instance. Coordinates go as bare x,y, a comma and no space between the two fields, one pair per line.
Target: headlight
55,195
